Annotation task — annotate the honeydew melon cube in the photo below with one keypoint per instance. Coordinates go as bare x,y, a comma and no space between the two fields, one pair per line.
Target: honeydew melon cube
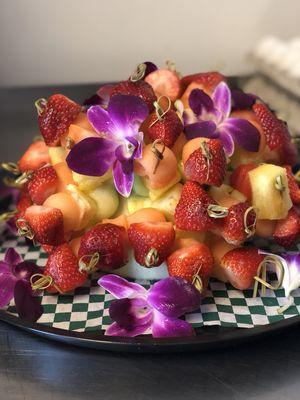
87,183
106,199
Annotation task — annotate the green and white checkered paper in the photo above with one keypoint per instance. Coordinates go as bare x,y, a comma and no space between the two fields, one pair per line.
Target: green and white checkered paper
87,308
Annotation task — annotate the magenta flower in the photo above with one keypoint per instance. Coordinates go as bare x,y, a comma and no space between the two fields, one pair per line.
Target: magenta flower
15,284
118,144
155,311
209,117
288,274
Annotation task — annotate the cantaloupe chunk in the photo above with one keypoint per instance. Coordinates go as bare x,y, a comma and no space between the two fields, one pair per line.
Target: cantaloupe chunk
157,175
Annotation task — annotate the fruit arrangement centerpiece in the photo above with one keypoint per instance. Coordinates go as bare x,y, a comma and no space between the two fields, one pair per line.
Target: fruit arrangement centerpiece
172,174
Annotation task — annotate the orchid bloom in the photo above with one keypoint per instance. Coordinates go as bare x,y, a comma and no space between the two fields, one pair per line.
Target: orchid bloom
287,269
15,284
210,117
118,144
155,311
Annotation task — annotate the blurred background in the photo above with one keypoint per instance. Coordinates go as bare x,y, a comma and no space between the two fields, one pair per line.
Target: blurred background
75,41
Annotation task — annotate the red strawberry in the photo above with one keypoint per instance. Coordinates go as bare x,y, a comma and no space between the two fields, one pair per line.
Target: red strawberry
293,185
190,261
42,184
23,203
209,80
191,212
34,157
240,266
62,267
165,83
275,130
168,129
56,117
288,153
139,88
240,180
48,248
109,241
46,224
207,165
288,229
233,227
151,242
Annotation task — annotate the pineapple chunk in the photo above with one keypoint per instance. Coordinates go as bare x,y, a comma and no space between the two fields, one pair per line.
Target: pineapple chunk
87,183
270,191
57,155
107,200
226,194
166,204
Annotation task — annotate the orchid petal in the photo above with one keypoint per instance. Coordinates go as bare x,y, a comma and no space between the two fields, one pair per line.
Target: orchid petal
200,101
123,177
127,112
7,286
150,67
165,327
130,313
121,288
222,99
291,279
139,149
227,142
100,119
26,269
243,133
137,142
5,268
116,330
174,297
12,257
188,117
200,129
242,100
93,100
28,306
92,156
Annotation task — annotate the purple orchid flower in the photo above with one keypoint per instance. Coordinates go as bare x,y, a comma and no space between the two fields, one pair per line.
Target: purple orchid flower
242,100
155,311
15,284
209,117
118,144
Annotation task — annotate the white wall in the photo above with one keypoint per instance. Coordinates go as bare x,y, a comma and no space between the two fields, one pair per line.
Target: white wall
67,41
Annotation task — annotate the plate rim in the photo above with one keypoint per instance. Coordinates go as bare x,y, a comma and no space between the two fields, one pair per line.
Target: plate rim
207,337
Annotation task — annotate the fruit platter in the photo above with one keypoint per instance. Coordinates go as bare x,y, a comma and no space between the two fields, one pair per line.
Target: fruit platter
161,213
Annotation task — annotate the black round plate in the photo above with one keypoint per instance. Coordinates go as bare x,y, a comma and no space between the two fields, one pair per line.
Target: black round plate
207,337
